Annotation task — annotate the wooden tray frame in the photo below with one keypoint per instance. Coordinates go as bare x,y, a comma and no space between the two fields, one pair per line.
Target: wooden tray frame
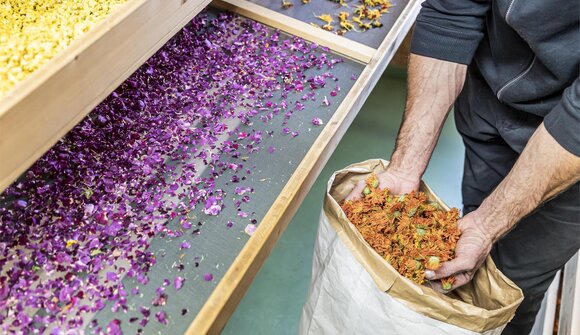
38,111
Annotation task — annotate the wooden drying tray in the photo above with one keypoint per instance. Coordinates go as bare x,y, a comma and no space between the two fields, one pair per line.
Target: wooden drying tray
222,302
42,108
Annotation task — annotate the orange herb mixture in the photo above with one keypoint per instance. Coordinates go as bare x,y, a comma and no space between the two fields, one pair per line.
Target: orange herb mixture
407,231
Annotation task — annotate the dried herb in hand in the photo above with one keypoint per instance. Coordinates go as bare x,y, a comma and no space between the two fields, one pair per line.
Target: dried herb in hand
408,231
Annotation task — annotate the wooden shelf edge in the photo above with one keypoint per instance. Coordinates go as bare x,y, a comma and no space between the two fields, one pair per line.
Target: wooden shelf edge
39,112
231,288
23,88
338,44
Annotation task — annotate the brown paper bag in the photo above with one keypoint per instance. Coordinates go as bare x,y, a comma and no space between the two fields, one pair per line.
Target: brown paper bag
484,306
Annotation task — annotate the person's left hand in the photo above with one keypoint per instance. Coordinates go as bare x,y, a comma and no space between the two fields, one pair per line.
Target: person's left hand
472,248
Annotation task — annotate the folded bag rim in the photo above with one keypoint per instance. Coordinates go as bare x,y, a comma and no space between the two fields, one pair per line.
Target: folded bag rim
497,296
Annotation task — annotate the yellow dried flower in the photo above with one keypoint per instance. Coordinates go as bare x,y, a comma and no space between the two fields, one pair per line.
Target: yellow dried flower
34,31
70,243
326,18
366,26
287,4
327,27
368,14
373,14
346,25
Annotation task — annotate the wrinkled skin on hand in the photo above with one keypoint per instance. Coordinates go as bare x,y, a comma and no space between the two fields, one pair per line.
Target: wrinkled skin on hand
471,251
396,182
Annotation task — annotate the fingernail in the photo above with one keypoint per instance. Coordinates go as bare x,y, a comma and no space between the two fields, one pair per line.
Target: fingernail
429,274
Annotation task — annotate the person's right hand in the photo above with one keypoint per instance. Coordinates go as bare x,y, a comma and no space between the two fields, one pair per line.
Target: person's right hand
397,183
472,249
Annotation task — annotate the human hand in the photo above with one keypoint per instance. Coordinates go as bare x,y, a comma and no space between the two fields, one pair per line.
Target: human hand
472,248
397,183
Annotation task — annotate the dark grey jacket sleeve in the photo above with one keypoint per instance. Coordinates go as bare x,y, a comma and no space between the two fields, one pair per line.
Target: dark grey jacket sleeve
449,30
563,122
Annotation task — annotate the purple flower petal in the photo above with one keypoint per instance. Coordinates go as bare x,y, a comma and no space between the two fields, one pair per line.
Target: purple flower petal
161,317
178,282
212,207
250,229
112,276
114,327
317,121
242,190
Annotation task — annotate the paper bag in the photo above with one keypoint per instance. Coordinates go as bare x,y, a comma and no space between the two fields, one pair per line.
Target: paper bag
355,291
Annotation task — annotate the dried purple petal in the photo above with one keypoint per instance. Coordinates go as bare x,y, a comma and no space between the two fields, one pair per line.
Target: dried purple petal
242,190
178,282
160,299
208,277
114,327
161,317
145,311
112,276
317,121
250,229
212,207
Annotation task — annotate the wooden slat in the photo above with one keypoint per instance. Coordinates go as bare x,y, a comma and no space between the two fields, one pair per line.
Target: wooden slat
338,44
41,109
230,290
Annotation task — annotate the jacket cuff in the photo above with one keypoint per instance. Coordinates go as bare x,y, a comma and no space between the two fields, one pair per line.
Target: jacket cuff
563,122
441,43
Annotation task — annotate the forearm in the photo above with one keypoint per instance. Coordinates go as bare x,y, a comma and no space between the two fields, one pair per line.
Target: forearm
543,170
432,86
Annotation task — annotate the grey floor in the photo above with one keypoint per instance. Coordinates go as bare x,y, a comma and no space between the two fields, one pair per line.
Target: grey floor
274,301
